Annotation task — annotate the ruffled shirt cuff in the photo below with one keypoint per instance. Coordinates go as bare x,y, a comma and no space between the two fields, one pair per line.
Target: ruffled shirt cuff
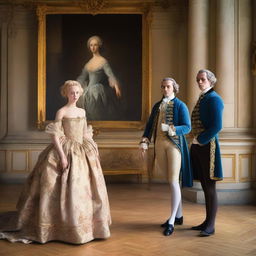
144,143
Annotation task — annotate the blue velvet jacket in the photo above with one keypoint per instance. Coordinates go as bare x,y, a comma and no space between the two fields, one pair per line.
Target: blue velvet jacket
211,109
181,121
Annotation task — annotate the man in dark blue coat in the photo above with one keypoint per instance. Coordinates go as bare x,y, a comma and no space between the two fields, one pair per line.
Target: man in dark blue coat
205,149
169,122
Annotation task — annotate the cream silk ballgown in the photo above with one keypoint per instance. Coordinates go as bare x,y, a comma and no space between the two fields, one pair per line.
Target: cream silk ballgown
69,205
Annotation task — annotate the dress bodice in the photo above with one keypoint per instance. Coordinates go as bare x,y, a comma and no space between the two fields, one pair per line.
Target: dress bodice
74,128
99,98
97,76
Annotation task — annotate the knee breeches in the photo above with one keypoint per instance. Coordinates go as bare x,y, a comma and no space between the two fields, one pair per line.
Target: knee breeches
168,157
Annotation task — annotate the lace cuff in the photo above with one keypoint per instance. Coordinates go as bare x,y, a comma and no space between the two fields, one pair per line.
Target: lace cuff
55,128
144,140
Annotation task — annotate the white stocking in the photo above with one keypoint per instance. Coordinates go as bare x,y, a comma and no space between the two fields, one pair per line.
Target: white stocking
175,200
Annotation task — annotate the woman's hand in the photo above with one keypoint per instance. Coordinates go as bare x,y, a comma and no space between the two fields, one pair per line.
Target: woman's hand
114,84
118,91
64,162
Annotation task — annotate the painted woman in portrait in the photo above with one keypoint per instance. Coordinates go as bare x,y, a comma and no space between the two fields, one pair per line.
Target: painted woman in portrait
101,88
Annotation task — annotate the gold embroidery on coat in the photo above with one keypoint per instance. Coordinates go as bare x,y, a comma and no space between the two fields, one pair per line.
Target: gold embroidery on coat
197,128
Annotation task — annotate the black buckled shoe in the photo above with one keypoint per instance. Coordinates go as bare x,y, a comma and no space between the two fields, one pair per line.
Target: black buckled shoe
178,221
168,230
165,224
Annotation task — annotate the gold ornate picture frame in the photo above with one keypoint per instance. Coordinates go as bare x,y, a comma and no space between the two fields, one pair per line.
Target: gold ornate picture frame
45,70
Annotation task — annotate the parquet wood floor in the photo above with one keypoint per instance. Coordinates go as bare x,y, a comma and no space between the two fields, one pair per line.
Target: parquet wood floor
137,214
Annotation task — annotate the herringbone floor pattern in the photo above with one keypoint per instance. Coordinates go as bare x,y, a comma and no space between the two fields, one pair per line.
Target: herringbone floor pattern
137,214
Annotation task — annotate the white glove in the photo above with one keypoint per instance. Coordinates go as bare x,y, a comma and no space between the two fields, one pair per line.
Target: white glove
144,145
164,127
171,131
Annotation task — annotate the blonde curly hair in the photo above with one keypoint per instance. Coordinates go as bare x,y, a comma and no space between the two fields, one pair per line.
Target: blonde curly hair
69,83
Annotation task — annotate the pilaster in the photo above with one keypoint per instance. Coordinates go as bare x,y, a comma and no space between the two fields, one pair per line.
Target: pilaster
198,35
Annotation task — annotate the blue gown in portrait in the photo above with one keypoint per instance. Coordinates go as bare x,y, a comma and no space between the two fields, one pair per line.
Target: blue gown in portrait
99,99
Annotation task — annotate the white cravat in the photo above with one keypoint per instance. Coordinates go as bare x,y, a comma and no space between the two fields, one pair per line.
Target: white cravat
205,90
167,99
170,131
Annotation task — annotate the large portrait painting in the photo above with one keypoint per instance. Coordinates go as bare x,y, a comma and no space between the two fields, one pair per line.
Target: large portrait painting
107,53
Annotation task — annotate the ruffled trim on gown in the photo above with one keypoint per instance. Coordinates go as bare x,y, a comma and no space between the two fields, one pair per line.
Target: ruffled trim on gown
69,205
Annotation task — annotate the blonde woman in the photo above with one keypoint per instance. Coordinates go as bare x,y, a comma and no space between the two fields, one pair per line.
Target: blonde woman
65,196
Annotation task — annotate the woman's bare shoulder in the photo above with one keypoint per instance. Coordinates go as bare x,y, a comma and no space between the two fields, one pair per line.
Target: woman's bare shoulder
60,113
81,112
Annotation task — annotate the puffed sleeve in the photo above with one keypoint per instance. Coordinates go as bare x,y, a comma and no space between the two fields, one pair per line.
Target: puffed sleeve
55,128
